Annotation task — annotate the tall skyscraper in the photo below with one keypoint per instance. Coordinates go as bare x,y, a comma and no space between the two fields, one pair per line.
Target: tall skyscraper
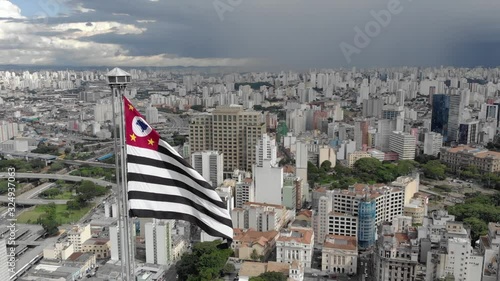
159,242
440,113
209,164
361,134
454,117
200,133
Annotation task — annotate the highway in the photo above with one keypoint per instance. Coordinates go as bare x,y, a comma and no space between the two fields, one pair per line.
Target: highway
58,177
90,163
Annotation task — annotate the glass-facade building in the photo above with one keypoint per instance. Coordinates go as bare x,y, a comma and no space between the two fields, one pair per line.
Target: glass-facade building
440,113
367,215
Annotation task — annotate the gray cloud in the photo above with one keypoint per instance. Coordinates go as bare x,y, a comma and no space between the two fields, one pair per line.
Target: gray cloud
291,33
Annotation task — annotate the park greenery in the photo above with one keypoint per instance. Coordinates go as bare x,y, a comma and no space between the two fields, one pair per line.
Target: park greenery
47,149
63,215
85,193
365,170
207,261
94,172
49,220
270,276
22,165
477,211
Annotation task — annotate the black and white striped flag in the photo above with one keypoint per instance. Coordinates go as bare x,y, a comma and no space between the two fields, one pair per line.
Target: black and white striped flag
162,185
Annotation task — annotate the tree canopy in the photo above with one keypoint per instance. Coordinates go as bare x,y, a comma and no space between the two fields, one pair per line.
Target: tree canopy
205,262
270,276
434,169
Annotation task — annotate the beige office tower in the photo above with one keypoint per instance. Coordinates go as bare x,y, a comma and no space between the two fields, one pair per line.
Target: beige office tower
236,133
200,133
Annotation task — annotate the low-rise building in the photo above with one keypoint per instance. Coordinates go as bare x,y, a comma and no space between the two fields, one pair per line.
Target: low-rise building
294,271
58,251
295,244
261,216
251,244
340,254
101,248
462,156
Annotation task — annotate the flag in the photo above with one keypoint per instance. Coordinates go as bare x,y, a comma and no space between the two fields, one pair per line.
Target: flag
162,185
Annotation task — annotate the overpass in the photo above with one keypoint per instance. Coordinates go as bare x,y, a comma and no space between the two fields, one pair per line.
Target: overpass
58,177
31,202
90,163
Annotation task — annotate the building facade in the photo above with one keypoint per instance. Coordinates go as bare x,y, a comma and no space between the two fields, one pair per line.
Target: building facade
209,164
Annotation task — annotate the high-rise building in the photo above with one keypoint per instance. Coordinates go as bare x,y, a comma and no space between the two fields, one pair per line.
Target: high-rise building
468,132
440,114
403,144
116,246
200,133
231,131
367,219
265,150
152,114
490,248
384,129
159,242
432,143
361,134
209,164
268,181
372,108
454,117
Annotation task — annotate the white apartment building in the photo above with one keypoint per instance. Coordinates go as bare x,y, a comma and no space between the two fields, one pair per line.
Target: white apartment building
78,235
210,165
244,190
403,144
115,238
158,240
58,251
295,245
342,224
266,149
8,130
340,254
151,114
432,143
261,217
457,259
489,246
389,203
268,181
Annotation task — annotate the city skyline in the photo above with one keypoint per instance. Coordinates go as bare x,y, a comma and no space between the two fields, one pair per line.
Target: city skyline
291,35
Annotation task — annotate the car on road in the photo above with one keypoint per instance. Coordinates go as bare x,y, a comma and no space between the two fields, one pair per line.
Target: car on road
314,275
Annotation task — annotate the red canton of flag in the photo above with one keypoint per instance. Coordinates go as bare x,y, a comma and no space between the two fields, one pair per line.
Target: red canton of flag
137,130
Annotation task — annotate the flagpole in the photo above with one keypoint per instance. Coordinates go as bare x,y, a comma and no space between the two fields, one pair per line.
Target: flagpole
118,80
118,183
123,153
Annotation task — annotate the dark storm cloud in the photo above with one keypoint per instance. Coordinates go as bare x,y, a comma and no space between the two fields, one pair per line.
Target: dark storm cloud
301,34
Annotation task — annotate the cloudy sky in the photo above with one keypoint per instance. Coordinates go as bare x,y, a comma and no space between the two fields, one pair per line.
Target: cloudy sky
259,33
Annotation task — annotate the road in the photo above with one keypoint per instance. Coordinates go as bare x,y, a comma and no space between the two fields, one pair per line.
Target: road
58,177
90,163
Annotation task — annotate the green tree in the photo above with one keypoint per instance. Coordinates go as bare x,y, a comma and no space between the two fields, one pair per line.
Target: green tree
434,169
270,276
56,166
477,226
228,268
367,165
254,255
326,165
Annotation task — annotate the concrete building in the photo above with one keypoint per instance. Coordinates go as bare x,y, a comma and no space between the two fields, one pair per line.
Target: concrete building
462,156
78,235
244,190
245,242
268,181
403,144
261,217
355,156
295,245
468,132
151,114
489,247
293,271
410,185
266,149
97,246
159,242
432,143
58,251
201,133
210,165
339,254
15,145
115,238
342,224
456,259
396,254
327,153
